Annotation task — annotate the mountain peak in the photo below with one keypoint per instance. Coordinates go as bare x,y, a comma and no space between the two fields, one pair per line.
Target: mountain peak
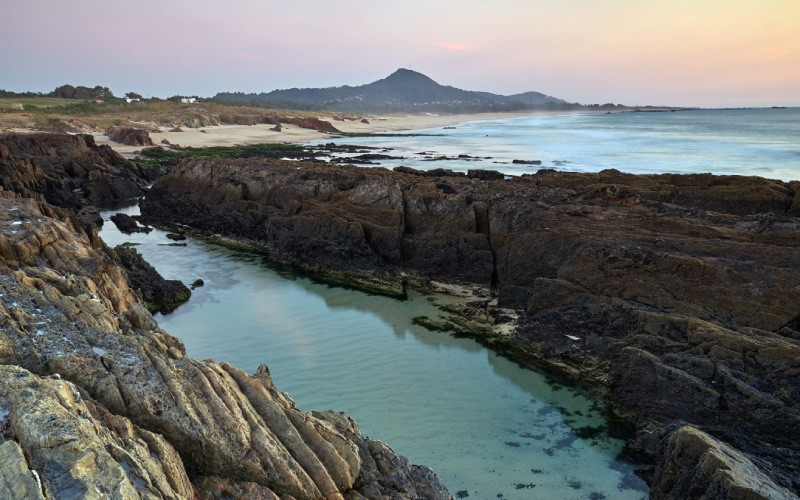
408,75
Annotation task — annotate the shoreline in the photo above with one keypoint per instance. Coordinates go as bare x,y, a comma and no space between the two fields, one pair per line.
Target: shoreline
235,135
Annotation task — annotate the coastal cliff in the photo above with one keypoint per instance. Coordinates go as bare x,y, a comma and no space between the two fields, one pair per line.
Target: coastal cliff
677,295
96,401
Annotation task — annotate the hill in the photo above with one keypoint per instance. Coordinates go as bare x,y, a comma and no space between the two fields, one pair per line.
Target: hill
403,90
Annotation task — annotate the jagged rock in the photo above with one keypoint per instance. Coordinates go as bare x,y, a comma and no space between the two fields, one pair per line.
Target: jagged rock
128,224
276,128
124,406
680,290
527,162
80,449
695,465
159,295
17,480
176,236
197,283
66,170
129,136
364,120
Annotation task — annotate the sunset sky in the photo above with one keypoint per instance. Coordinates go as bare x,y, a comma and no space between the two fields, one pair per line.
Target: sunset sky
679,52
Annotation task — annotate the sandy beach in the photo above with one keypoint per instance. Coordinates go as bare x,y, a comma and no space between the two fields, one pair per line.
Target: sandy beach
231,135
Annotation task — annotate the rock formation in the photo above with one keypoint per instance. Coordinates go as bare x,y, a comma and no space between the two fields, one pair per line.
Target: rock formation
96,401
66,170
129,136
127,224
311,123
158,294
678,294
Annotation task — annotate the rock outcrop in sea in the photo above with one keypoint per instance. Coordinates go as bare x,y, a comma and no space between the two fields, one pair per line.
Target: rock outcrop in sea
96,401
676,295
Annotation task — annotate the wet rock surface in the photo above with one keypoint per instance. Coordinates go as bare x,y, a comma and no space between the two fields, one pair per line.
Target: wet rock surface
100,402
678,294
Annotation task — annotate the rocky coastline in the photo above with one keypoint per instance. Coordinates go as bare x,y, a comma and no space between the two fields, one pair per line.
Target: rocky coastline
96,401
676,296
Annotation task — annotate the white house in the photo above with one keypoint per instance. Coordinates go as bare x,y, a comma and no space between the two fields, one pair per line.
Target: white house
131,99
189,100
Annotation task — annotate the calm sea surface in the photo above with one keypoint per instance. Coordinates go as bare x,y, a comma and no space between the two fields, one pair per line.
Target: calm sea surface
488,427
764,142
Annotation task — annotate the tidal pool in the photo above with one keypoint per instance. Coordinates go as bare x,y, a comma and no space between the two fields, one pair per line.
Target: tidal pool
489,428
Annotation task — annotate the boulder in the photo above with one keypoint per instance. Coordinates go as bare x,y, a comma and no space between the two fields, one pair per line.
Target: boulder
128,224
129,136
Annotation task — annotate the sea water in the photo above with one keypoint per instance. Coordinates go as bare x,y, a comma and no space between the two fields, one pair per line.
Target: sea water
488,427
763,142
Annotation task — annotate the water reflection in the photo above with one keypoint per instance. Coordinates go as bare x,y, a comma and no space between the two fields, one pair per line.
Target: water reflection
487,426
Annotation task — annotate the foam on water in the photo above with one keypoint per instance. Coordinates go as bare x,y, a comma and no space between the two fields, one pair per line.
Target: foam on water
485,425
733,142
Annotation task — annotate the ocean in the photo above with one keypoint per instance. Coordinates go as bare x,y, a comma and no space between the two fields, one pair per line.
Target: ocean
763,142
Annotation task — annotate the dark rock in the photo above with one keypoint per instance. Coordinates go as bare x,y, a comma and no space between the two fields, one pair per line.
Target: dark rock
176,129
364,120
679,293
197,283
276,128
128,224
66,170
164,141
129,136
485,175
159,295
176,236
527,162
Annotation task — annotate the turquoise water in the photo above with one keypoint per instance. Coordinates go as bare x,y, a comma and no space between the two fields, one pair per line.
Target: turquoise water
764,142
489,428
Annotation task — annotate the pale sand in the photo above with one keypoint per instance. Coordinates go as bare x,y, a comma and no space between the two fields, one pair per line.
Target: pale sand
232,135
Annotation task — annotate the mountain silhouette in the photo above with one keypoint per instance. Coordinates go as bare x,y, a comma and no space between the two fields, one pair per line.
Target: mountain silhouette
403,90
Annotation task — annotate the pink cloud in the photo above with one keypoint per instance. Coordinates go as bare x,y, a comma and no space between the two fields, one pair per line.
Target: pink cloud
452,46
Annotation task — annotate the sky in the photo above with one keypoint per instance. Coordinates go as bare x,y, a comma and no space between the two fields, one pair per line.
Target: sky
709,53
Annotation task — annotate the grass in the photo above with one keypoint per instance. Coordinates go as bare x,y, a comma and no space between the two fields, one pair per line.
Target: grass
157,156
36,102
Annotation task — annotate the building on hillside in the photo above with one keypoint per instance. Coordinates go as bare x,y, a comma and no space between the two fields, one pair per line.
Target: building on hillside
189,100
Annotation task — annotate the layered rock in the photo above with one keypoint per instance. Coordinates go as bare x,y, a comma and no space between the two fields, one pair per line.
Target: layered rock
695,465
679,294
66,170
100,402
